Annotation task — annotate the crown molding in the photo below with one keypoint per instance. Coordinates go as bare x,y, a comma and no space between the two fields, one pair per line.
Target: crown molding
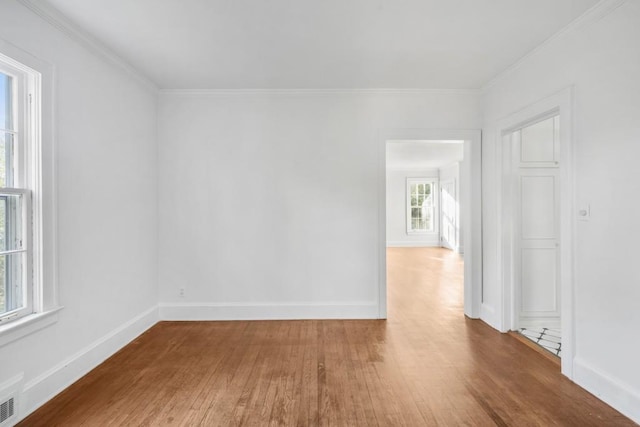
70,29
309,92
591,16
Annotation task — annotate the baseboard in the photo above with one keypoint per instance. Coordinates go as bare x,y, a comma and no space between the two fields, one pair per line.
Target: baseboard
45,386
610,390
488,316
398,244
268,311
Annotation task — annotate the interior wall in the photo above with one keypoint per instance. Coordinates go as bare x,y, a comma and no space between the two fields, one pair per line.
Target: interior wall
452,173
105,124
599,58
397,209
269,202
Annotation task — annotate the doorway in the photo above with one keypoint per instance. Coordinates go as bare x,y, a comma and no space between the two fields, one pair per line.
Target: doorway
533,179
535,213
427,216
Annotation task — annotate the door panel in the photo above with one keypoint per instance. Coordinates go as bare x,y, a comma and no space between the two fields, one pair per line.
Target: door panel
539,274
538,200
538,144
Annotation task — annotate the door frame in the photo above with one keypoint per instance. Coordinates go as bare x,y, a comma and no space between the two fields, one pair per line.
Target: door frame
561,103
470,209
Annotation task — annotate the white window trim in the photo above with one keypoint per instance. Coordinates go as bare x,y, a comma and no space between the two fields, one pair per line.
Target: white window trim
434,190
42,183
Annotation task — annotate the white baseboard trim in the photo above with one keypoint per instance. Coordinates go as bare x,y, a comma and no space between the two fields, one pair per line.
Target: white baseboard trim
45,386
610,390
488,316
398,244
268,311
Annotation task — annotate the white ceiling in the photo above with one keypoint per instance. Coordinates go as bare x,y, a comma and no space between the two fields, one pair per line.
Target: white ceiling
423,154
280,44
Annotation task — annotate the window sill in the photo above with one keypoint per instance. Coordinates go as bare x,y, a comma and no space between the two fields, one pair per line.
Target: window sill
27,325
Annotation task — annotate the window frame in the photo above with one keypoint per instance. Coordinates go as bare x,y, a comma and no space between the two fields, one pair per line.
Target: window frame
433,183
21,91
26,249
37,117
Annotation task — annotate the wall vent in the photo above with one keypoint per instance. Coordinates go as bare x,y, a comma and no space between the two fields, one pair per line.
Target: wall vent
7,411
10,401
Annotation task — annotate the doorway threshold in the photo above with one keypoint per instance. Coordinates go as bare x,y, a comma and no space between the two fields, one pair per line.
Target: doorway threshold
546,341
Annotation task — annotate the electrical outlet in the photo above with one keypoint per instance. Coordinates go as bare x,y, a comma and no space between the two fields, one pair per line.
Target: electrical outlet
181,292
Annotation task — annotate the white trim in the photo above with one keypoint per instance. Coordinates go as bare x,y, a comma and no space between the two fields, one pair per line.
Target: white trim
63,24
268,311
44,184
503,318
310,92
488,315
610,390
471,212
592,15
27,325
48,384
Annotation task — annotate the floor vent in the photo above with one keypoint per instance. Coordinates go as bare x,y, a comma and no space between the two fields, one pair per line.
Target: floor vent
7,411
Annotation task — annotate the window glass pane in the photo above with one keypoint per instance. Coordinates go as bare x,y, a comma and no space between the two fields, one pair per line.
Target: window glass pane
6,121
10,222
415,213
7,159
421,206
12,290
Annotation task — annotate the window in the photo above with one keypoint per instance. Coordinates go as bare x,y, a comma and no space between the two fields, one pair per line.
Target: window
420,206
18,164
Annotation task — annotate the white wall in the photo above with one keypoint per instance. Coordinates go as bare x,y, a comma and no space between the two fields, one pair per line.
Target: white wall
452,173
397,209
269,202
600,59
106,181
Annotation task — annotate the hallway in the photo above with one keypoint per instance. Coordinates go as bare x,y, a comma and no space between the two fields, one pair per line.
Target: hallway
426,365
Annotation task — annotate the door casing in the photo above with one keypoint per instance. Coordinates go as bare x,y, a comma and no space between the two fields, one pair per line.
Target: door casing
470,212
558,103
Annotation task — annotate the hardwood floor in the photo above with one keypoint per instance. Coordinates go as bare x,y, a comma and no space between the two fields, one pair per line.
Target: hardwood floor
426,365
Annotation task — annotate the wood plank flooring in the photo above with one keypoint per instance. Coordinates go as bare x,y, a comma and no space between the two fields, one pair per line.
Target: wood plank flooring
426,365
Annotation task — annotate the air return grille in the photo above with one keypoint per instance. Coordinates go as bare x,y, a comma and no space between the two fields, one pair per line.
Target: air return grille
6,410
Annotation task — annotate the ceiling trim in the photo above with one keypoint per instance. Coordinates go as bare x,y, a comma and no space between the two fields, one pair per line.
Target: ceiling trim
591,16
70,29
303,92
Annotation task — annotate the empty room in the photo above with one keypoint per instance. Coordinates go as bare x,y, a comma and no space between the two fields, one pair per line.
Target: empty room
297,213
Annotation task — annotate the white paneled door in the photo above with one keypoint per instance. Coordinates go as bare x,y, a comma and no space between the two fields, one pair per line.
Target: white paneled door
537,225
